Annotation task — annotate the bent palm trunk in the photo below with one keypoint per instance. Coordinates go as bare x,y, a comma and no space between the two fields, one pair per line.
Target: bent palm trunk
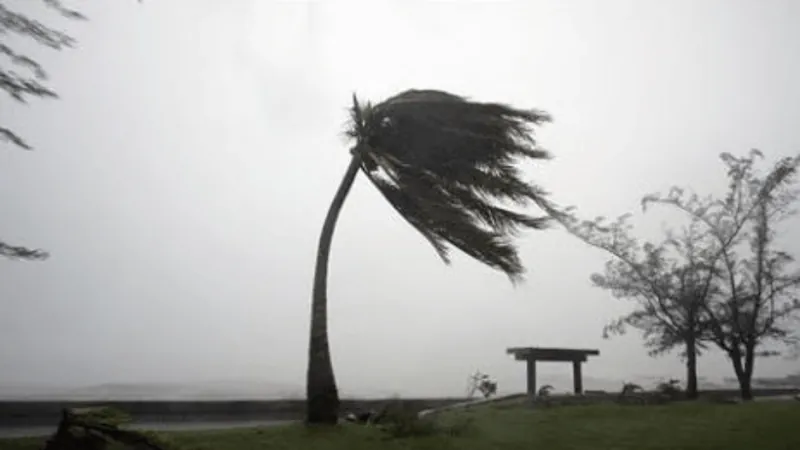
322,398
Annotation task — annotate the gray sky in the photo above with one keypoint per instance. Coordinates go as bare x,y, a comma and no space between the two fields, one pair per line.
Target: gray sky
181,181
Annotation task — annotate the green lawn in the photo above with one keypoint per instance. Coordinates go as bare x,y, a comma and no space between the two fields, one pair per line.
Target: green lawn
757,426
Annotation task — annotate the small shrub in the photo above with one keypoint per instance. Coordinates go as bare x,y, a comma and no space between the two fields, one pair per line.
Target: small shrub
398,420
481,382
98,429
631,394
543,398
545,391
671,389
630,388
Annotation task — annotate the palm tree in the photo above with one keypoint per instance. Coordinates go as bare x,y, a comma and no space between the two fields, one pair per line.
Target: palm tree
446,165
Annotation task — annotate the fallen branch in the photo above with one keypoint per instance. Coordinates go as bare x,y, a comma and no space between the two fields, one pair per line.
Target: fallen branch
95,429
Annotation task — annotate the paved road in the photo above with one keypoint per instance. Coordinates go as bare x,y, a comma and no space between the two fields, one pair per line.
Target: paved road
39,431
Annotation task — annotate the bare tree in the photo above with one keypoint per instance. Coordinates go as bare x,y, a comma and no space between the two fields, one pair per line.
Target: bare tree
668,282
756,303
22,77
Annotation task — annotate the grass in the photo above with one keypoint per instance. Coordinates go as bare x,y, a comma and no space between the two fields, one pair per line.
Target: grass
761,426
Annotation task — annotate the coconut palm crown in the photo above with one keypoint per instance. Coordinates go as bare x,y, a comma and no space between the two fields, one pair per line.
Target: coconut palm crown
448,166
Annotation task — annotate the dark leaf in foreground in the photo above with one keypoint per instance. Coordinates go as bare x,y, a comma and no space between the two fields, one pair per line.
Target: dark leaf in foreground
19,252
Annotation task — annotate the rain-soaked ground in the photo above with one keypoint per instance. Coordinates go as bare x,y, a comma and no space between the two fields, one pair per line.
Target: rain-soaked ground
36,431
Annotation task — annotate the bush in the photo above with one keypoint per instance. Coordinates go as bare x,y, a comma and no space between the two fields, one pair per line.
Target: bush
481,382
98,429
670,389
545,391
630,389
631,393
399,420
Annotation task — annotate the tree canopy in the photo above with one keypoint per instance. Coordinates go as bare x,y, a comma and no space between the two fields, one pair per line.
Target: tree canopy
22,77
723,279
756,305
448,166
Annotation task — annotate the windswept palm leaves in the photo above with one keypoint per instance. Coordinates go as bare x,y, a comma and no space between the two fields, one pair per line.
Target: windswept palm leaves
448,166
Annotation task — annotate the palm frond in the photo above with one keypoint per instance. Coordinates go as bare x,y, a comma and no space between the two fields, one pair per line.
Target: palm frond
449,167
19,252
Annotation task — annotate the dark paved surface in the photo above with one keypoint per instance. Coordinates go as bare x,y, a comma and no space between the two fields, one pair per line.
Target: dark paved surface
41,431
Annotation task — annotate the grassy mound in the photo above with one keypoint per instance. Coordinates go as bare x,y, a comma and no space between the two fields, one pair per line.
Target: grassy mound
684,426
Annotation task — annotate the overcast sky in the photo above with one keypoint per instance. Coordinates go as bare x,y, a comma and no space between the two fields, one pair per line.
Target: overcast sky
181,181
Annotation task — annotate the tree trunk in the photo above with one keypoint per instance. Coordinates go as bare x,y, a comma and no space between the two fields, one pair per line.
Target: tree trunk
745,388
691,369
742,375
322,397
745,382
